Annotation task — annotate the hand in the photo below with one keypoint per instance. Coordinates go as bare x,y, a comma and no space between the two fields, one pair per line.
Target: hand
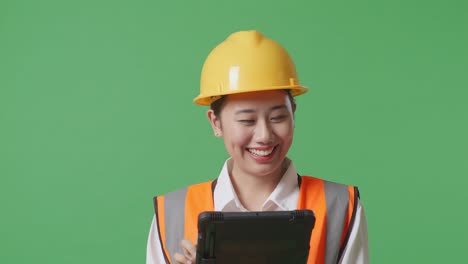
189,255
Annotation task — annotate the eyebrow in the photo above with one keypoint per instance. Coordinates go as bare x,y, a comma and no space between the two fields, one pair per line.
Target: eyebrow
242,111
248,111
278,107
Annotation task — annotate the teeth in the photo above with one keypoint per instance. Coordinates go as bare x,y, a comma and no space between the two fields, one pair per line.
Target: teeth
261,153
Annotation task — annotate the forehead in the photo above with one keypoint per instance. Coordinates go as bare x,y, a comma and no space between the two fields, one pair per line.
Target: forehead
257,99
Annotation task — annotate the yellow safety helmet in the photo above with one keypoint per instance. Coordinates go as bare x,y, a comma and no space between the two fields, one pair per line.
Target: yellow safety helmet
247,61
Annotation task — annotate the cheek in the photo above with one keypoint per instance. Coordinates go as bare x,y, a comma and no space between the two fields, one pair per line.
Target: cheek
239,139
286,133
236,137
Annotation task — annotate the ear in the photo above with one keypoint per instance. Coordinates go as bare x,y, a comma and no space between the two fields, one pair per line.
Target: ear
215,123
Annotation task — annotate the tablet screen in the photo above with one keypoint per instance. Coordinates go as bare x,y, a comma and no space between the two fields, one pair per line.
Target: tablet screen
254,237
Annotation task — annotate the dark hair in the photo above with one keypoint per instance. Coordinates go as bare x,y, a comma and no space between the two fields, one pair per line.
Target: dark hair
217,105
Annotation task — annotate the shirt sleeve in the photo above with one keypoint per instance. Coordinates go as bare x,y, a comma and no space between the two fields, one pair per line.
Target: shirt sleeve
357,248
154,254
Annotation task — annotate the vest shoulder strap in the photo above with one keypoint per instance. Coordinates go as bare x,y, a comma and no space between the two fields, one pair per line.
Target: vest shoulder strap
334,205
177,216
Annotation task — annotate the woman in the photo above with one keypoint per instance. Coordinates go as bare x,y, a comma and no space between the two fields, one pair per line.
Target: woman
249,82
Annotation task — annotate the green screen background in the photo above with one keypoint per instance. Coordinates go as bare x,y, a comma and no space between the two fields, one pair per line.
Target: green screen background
96,117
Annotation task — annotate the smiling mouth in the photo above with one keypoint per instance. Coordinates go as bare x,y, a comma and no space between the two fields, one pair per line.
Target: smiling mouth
261,152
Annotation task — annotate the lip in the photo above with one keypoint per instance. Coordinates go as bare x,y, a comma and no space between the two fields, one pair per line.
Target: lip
262,148
263,159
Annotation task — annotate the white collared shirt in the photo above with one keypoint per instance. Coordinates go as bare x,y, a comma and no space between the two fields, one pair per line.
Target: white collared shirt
284,197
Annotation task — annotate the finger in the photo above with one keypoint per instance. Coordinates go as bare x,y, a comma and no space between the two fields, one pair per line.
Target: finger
180,259
189,249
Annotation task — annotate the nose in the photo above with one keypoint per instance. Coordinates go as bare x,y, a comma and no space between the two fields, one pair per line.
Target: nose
264,133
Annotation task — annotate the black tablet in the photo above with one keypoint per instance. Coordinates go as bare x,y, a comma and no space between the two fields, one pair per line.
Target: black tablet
254,237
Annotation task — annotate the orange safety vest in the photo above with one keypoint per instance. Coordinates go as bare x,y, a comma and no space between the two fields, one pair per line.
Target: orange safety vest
333,204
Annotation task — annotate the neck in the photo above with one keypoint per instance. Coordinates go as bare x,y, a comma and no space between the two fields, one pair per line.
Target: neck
253,190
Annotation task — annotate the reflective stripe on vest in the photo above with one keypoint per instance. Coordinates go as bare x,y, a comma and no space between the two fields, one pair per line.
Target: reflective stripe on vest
334,206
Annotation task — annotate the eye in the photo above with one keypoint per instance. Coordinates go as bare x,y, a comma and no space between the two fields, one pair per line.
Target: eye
278,118
246,121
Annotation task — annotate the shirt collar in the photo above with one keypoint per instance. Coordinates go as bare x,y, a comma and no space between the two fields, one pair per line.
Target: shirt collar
283,197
